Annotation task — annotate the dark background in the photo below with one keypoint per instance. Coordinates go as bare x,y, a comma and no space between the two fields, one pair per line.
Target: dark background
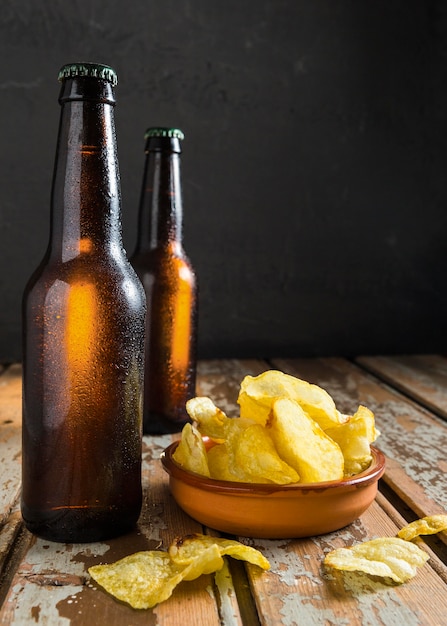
313,168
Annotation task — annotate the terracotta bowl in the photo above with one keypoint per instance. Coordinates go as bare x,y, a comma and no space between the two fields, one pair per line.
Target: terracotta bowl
273,511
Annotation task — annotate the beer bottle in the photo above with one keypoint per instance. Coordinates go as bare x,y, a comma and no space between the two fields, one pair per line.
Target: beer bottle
170,284
83,341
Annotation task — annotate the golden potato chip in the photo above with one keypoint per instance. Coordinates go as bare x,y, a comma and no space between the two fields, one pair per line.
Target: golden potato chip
263,469
354,437
258,393
145,579
142,579
252,452
182,551
425,526
211,421
205,561
219,465
387,557
191,452
222,465
303,445
209,418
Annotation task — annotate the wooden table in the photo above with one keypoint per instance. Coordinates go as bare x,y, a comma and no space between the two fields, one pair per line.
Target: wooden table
47,583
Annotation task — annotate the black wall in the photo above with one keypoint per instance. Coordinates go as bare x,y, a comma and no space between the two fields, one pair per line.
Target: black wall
313,167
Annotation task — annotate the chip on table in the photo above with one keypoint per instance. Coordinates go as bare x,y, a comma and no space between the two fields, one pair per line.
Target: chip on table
147,578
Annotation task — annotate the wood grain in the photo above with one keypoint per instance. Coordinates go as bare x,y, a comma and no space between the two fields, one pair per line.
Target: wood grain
421,376
298,590
48,583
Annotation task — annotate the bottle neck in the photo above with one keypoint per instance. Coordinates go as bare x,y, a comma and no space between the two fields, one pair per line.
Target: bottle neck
161,210
86,200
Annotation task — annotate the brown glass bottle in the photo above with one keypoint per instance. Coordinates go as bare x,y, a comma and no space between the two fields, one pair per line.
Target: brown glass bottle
170,284
83,336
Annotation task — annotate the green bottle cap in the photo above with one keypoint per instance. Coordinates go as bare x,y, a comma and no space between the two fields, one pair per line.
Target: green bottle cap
158,131
91,70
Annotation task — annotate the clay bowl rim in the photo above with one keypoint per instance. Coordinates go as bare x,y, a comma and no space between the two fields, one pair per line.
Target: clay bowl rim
372,474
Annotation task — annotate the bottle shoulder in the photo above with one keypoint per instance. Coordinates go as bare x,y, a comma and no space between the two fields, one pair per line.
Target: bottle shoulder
97,262
113,278
162,259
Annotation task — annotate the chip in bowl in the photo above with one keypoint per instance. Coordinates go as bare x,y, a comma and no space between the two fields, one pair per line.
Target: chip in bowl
303,444
258,393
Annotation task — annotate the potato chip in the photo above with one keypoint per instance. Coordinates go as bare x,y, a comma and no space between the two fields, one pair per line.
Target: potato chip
252,452
211,421
219,464
354,437
142,579
145,579
209,418
191,452
258,393
303,445
387,557
206,561
425,526
182,551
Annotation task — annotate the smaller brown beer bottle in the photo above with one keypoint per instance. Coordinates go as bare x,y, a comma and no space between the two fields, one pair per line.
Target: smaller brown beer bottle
170,285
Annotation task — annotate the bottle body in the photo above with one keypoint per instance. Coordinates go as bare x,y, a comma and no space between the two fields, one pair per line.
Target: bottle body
82,403
83,348
171,290
170,348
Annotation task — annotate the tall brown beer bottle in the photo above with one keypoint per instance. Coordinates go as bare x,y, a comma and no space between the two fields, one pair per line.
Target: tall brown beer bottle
83,341
170,284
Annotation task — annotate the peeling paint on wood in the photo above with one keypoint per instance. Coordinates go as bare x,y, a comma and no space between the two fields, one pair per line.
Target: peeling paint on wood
299,591
48,583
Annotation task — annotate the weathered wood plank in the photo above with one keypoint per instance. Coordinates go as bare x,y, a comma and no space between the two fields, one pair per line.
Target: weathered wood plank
422,377
298,590
50,583
10,438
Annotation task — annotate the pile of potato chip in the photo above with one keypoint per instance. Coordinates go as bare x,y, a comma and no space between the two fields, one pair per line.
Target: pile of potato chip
288,431
147,578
